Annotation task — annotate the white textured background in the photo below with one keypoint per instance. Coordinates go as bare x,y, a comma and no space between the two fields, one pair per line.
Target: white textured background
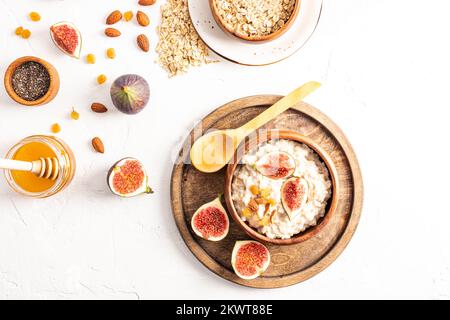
384,66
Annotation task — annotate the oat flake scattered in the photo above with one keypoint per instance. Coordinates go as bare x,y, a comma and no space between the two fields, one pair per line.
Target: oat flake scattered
179,45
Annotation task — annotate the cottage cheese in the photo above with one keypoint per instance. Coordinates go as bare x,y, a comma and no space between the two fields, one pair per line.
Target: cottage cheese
308,166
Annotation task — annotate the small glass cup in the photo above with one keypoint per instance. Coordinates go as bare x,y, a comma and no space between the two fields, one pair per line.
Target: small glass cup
63,154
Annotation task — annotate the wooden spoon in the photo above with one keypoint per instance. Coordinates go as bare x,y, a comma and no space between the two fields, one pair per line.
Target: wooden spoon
47,168
214,150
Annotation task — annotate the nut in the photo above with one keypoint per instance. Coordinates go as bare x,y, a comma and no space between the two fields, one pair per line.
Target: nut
111,32
253,205
143,42
147,2
261,201
114,17
98,108
98,146
142,18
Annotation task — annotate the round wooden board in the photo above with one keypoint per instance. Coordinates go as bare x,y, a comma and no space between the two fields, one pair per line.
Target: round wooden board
289,264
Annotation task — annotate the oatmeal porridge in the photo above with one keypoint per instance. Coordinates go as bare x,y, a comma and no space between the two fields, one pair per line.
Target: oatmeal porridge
255,17
281,189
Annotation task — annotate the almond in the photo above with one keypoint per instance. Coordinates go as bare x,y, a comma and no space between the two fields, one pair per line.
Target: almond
111,32
114,17
142,19
143,42
253,205
98,145
146,2
98,108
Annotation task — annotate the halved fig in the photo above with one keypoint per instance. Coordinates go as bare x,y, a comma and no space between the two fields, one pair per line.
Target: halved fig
127,178
276,165
293,195
67,38
210,221
250,259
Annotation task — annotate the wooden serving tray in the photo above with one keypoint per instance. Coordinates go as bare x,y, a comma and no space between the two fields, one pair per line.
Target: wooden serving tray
289,264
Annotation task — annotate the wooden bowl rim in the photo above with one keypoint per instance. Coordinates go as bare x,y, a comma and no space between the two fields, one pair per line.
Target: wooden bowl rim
289,135
269,37
54,80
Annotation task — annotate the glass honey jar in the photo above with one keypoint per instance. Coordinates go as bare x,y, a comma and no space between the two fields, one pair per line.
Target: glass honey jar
33,148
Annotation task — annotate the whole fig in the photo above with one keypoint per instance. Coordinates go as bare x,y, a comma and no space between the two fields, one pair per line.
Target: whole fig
130,93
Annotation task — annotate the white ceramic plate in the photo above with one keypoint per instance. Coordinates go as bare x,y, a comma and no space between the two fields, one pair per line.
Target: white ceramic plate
248,52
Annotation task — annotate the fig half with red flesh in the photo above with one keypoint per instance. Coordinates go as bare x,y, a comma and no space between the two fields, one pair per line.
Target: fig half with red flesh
127,178
67,38
210,221
276,165
293,195
250,259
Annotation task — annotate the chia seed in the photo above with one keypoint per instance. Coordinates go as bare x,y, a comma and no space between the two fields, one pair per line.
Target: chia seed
31,81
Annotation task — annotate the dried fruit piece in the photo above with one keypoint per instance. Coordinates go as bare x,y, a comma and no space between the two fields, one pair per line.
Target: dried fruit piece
90,58
114,17
128,15
254,190
112,32
111,53
67,38
98,145
250,259
276,165
146,2
210,221
56,128
143,42
128,178
101,79
142,18
265,192
293,195
130,93
74,115
98,108
247,213
34,16
26,33
19,31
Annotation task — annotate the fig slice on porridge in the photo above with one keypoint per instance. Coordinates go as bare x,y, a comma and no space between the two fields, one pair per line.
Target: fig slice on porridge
293,195
276,165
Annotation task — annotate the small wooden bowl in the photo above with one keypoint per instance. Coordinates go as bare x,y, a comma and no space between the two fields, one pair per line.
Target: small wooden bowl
272,36
52,90
251,145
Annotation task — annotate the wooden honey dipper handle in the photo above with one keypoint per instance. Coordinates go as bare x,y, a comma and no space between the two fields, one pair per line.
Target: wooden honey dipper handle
47,168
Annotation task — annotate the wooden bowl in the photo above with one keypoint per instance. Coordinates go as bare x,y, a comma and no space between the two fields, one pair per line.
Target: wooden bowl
52,90
272,36
252,144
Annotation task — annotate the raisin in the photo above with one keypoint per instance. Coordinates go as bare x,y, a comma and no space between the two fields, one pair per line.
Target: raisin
56,128
128,15
101,79
90,58
19,31
247,213
111,53
26,33
74,115
265,193
34,16
254,190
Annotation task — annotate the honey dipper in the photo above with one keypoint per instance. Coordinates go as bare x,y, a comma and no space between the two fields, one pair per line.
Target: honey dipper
47,168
